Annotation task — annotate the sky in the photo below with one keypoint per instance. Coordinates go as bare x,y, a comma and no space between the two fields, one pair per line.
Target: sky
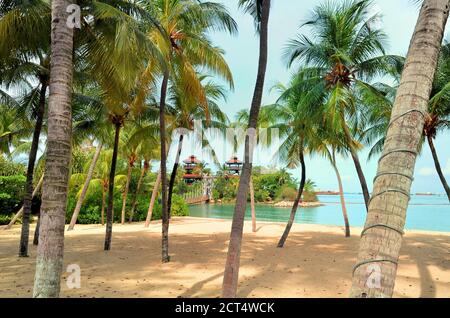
241,53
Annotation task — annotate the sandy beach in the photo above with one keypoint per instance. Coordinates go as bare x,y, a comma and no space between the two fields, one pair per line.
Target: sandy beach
317,261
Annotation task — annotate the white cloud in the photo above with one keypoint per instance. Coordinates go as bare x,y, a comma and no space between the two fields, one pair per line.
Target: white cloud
431,171
427,171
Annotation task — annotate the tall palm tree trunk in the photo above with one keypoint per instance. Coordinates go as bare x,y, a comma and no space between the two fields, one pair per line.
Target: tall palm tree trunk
125,193
138,189
25,233
342,198
36,231
438,166
359,171
381,239
296,202
174,174
153,199
89,175
112,174
165,213
103,205
231,274
361,177
49,259
19,213
252,205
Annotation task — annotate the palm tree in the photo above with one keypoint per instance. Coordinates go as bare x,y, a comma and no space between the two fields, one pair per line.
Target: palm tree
153,199
49,259
54,196
185,110
185,46
379,108
287,117
345,51
264,121
382,235
25,58
438,117
148,148
89,124
130,151
84,190
117,118
260,9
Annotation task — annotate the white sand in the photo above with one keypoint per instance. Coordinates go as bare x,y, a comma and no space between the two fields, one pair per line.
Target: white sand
316,262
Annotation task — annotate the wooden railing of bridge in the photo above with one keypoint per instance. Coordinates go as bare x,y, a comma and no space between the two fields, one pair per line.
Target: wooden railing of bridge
198,200
200,192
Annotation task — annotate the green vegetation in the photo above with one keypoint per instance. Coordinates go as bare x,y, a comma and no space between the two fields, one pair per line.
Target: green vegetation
268,188
139,75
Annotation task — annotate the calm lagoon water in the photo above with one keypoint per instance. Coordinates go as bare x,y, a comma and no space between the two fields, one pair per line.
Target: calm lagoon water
429,213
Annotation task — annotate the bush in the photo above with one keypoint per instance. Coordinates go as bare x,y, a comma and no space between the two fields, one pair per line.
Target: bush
90,212
225,189
5,219
11,193
262,196
9,168
310,197
287,193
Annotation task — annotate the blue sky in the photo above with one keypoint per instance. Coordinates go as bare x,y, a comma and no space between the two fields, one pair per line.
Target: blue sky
399,18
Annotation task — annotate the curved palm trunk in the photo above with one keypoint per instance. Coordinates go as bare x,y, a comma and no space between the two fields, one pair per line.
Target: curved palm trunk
381,239
438,166
36,231
296,203
90,173
342,198
138,189
110,208
174,174
25,233
49,259
362,178
359,171
103,205
165,213
153,199
19,213
252,205
125,193
231,274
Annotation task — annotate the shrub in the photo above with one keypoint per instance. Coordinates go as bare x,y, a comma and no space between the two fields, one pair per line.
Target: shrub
5,219
11,193
287,193
9,168
310,197
179,206
90,212
262,195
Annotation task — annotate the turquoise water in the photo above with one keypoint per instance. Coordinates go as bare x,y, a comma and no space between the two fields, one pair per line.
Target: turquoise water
429,213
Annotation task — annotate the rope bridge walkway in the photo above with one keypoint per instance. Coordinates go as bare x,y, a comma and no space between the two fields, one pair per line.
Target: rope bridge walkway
200,192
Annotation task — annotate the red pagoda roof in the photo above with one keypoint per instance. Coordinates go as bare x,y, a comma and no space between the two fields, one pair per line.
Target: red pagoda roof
234,160
191,159
192,176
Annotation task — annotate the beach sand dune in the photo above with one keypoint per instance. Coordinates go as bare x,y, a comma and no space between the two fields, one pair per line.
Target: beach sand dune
317,261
